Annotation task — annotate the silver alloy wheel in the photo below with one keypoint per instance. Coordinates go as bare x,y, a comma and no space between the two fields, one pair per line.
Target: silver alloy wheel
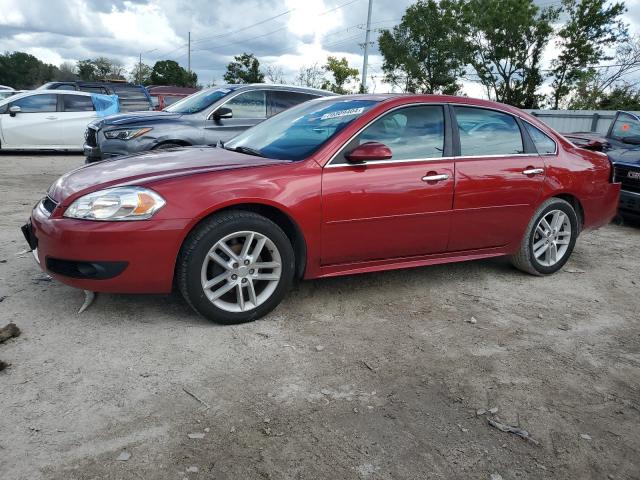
551,238
241,271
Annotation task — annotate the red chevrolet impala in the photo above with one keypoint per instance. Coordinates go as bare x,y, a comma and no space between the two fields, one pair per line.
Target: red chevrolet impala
337,185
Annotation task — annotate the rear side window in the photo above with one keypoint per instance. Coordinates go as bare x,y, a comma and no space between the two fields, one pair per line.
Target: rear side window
544,144
249,105
37,103
487,132
412,133
77,103
282,100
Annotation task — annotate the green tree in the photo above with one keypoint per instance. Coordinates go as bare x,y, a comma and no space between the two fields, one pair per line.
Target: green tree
140,74
168,72
244,69
592,28
427,52
66,72
507,38
86,70
342,74
100,68
21,70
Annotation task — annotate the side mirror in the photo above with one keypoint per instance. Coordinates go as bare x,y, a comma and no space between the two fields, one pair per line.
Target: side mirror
223,112
368,152
595,145
632,140
13,110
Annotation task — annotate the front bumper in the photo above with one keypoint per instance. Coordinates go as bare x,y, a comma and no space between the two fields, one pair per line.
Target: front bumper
629,202
117,257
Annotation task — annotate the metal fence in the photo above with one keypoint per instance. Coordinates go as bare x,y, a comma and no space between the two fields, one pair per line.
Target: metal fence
566,121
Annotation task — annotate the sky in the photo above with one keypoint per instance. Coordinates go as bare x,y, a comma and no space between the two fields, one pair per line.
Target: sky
287,34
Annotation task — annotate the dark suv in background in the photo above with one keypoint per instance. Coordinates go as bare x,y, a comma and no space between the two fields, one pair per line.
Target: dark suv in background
205,118
132,98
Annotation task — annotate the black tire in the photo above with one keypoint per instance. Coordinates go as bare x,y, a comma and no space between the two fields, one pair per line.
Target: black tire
525,260
204,237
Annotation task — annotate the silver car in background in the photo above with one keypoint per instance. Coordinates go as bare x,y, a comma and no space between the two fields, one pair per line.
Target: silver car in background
205,118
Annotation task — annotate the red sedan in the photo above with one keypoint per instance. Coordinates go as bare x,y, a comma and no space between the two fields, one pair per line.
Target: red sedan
334,186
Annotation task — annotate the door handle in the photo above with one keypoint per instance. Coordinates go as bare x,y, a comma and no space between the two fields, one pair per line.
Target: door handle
435,178
533,171
51,118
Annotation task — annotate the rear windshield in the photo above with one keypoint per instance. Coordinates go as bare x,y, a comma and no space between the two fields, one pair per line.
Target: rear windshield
198,101
298,132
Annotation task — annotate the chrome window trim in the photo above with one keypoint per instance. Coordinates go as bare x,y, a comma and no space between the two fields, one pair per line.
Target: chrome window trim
329,164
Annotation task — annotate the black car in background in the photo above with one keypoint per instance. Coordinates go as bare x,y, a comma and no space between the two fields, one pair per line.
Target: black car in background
622,145
207,117
132,98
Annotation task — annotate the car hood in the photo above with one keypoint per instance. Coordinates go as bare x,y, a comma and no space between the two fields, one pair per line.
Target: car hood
630,156
149,167
135,118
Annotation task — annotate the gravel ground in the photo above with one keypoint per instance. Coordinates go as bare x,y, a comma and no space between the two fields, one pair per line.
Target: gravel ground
376,376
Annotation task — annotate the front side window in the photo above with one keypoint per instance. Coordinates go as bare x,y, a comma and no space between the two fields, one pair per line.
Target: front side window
77,103
36,103
625,126
249,105
301,130
544,144
487,132
198,101
412,133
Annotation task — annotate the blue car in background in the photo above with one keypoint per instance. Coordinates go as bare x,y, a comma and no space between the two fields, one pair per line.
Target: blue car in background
622,146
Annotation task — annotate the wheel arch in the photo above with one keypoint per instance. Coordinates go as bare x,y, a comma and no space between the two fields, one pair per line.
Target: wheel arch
575,203
165,142
276,215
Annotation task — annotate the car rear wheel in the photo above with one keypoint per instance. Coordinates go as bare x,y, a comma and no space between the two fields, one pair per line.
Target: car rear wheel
549,240
235,267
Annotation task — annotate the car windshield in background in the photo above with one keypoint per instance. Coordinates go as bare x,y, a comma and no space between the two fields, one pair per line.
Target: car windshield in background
298,132
198,101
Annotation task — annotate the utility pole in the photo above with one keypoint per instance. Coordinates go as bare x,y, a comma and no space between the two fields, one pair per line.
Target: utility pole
140,70
189,54
366,49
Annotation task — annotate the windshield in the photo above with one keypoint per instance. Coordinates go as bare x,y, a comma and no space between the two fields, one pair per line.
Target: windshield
298,132
198,101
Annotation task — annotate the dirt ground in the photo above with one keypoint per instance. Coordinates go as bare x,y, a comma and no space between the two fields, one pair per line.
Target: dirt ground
376,376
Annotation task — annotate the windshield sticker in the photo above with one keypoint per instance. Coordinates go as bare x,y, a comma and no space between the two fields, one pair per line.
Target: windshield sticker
342,113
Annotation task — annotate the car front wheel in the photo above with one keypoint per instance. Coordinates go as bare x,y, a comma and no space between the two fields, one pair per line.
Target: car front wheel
549,239
235,267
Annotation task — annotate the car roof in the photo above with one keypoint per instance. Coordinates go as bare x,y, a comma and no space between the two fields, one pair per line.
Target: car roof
273,86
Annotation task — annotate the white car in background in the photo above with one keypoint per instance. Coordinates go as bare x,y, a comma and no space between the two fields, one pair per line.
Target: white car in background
45,120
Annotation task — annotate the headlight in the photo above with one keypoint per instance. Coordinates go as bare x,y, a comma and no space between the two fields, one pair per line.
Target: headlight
115,204
126,133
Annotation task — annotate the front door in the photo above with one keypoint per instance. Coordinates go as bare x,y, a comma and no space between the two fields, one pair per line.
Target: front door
499,180
392,208
33,126
247,109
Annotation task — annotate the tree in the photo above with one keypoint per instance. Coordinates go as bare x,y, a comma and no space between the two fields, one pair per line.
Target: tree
427,51
168,72
607,83
311,76
507,38
140,74
244,69
66,72
100,68
342,74
275,74
21,70
592,28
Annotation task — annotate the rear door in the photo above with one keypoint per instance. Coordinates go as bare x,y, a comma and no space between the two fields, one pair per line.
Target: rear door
248,109
391,208
77,111
499,179
33,127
